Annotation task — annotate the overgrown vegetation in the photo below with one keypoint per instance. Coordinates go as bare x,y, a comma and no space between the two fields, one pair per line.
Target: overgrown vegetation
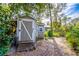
6,29
72,36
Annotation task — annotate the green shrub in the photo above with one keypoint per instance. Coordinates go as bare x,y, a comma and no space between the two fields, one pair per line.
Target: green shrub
46,33
6,36
73,38
50,33
3,50
6,28
56,34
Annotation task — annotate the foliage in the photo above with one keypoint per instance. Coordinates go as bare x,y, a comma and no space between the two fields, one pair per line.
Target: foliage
50,33
6,34
46,33
58,29
73,37
3,50
5,37
56,34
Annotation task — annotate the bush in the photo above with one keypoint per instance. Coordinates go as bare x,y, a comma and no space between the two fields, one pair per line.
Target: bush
6,36
59,32
50,33
6,28
46,33
3,50
56,34
73,38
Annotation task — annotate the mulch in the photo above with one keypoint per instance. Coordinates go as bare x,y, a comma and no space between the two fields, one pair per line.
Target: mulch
43,48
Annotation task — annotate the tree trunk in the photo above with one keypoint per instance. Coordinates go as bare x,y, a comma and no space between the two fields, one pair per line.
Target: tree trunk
50,17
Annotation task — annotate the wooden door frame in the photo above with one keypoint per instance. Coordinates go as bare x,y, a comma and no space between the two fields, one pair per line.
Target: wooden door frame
21,23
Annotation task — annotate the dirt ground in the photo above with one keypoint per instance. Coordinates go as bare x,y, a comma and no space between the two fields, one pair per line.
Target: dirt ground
50,47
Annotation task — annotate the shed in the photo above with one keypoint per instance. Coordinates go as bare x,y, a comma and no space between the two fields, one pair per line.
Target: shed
26,31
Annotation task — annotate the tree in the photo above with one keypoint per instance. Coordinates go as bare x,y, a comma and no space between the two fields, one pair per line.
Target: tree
50,19
57,11
65,19
54,13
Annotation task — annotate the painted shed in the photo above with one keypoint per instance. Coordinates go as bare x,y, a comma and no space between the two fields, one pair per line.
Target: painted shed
26,29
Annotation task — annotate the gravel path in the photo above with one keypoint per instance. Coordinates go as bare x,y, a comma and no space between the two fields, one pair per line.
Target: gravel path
64,47
51,47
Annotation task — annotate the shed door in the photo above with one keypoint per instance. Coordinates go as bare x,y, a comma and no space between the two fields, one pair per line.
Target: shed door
26,30
40,32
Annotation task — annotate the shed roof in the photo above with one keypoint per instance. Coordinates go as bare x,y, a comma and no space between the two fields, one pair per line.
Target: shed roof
28,17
